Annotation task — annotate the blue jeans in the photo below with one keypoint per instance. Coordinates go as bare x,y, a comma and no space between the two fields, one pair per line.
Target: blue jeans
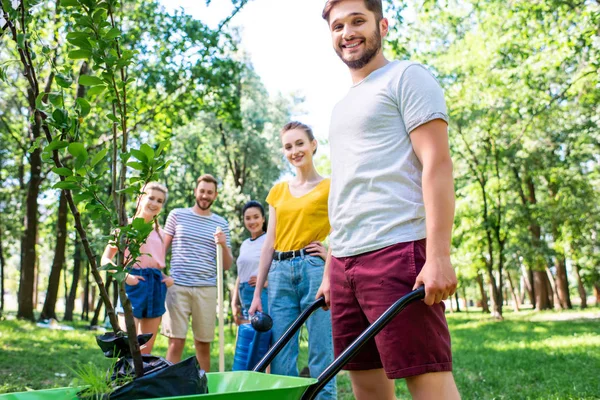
293,285
246,296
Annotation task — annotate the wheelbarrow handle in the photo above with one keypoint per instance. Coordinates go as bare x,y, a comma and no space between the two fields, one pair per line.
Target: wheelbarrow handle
289,333
361,340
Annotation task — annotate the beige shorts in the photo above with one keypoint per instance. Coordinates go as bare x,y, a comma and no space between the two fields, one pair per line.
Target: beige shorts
199,302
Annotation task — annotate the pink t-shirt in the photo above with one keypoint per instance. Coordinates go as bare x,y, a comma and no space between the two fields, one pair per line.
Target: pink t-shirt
155,247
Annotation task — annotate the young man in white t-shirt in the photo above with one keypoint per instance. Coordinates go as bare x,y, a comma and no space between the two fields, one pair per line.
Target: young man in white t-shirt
391,208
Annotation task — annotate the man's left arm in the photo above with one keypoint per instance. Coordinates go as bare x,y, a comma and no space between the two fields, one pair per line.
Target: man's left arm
430,143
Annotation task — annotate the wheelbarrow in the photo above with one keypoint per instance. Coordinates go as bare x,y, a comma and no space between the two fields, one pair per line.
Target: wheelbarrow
255,385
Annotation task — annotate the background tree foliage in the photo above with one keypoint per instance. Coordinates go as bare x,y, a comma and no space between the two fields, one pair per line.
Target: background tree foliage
522,86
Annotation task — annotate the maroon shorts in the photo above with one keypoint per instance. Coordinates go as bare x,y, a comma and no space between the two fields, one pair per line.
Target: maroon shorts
416,341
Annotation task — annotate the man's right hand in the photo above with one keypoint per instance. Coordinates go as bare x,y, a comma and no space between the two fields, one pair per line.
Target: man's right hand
324,291
256,306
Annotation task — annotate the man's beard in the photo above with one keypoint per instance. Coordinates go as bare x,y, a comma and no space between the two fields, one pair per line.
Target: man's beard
204,208
373,45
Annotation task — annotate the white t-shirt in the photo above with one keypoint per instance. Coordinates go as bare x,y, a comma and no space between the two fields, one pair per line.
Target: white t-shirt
247,262
376,196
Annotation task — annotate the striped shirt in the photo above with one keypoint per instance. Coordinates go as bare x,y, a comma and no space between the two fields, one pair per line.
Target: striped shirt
193,249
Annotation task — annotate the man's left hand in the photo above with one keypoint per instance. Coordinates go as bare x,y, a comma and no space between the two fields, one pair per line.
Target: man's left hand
439,279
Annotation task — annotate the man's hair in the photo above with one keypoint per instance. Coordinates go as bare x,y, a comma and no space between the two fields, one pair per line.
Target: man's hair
207,178
298,125
374,6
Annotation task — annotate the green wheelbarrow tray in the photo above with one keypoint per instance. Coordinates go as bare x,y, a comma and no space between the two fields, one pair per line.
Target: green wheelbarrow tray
242,385
255,385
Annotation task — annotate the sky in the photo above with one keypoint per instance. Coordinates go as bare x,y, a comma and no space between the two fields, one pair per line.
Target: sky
290,47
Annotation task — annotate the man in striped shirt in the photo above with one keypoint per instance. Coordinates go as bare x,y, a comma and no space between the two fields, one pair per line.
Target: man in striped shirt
191,234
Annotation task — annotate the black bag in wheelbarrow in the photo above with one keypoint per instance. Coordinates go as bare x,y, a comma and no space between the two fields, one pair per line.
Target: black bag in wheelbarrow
161,378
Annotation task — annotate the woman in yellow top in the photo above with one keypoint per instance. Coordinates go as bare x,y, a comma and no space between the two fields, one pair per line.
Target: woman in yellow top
293,256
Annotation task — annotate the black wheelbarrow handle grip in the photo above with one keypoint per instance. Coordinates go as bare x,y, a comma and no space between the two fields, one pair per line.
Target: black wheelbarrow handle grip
361,340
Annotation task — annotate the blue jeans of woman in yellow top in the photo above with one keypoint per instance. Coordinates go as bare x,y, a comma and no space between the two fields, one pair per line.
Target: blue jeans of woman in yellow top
293,285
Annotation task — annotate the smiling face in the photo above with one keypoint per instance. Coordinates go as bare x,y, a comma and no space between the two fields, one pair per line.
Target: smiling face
151,203
355,32
254,221
206,193
297,147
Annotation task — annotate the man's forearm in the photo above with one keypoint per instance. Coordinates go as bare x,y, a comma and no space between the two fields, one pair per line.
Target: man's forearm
438,196
227,258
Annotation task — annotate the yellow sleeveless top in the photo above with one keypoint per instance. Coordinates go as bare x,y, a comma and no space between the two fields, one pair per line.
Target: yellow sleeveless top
300,220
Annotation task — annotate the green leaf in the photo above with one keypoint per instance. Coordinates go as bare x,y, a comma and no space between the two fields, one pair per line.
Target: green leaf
124,157
161,147
66,185
78,164
84,106
35,145
63,81
99,15
139,224
164,166
98,157
56,144
128,190
113,118
79,54
80,41
113,33
120,276
69,3
147,150
62,171
96,90
55,99
89,80
76,149
60,117
39,104
21,40
136,165
139,155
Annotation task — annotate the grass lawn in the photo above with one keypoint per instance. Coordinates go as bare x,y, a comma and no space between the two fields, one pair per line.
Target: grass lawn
530,355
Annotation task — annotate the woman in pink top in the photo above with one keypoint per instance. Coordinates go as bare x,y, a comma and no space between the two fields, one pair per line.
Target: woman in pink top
146,284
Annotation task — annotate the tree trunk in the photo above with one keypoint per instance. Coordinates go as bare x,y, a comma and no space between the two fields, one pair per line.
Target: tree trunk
597,292
70,306
552,289
466,300
540,283
456,298
513,291
580,286
484,300
98,308
528,275
28,249
562,283
85,309
49,310
496,297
